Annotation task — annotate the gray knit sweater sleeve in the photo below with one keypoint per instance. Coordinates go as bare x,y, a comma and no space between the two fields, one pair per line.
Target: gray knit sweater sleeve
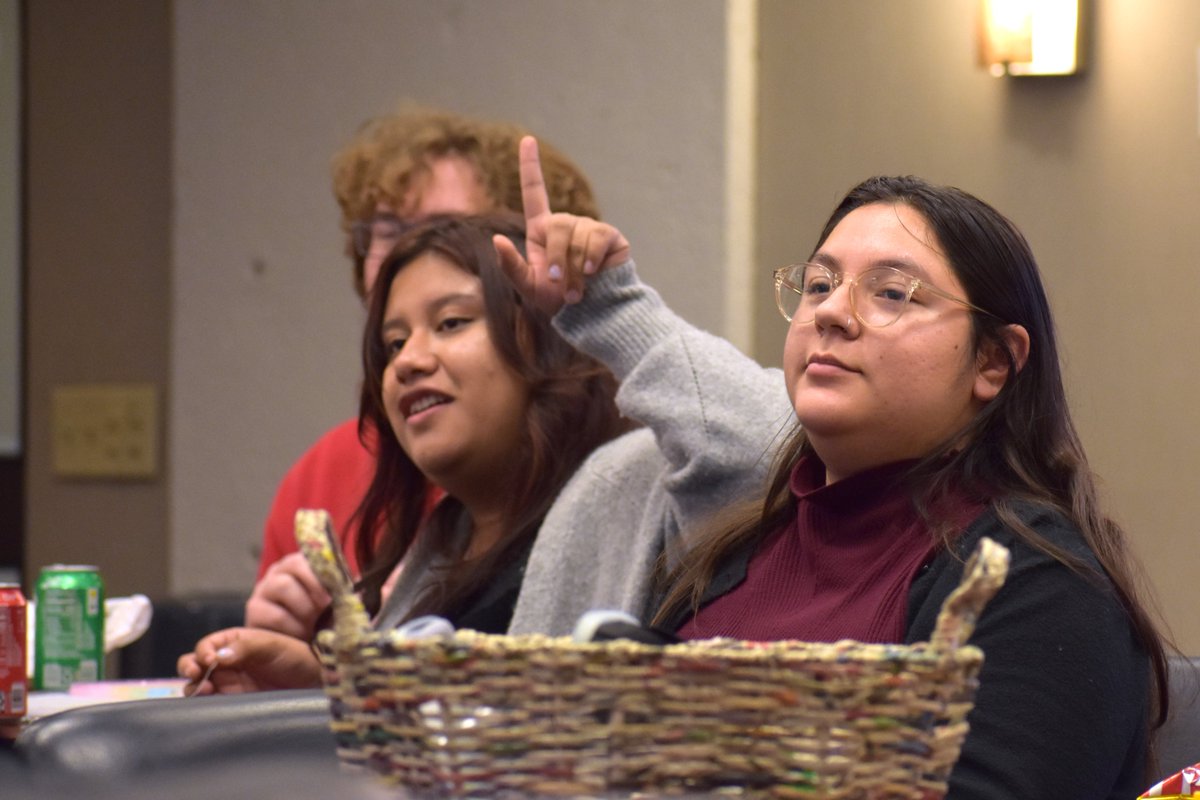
711,417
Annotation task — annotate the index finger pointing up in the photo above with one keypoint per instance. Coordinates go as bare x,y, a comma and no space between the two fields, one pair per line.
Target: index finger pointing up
533,186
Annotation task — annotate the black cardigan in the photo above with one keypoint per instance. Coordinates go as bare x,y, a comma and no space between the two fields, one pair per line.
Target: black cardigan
1063,699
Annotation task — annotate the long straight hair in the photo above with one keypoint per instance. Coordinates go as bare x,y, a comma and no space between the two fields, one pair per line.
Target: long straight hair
571,411
1021,447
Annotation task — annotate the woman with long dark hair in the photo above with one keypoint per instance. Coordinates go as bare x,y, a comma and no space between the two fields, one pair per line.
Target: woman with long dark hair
500,450
466,387
929,411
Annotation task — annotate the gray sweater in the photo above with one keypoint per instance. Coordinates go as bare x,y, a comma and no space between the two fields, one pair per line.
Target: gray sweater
712,417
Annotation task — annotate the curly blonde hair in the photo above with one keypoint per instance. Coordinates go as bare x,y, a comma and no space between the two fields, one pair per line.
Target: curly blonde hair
389,153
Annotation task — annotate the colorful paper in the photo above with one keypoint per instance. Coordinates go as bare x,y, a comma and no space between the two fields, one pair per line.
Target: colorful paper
1183,784
116,691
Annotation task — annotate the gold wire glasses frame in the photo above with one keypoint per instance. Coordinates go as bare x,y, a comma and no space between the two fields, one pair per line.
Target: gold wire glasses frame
801,288
385,228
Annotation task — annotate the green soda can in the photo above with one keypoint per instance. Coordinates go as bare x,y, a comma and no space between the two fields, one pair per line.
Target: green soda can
68,627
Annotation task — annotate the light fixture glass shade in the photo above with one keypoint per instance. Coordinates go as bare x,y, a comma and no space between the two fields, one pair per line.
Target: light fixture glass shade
1030,37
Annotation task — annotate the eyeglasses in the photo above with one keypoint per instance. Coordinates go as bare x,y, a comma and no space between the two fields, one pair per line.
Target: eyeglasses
878,296
379,232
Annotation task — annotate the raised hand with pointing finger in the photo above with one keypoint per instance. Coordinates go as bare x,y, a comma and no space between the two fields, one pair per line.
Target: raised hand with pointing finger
562,249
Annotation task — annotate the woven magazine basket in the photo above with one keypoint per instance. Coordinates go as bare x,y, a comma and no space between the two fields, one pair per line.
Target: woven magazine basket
477,715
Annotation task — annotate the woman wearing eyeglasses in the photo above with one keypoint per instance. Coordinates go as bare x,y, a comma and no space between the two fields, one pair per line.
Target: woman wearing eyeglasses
929,411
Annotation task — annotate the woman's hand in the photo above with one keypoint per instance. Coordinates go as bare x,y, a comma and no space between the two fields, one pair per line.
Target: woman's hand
239,660
562,249
289,599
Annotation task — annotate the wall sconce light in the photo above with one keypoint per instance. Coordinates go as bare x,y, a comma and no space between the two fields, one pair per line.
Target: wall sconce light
1031,37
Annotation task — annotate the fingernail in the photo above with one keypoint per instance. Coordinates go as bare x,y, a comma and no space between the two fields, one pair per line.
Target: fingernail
224,653
588,268
573,296
555,272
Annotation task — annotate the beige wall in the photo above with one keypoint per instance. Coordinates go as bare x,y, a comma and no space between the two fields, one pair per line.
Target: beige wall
97,227
1101,171
10,226
266,328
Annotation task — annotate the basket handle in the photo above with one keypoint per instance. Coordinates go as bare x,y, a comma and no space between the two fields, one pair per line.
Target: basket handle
319,544
983,576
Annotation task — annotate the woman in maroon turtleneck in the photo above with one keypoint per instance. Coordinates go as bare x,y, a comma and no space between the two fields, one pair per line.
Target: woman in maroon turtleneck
921,363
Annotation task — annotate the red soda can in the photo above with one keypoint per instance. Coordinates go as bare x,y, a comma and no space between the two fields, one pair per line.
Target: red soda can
14,683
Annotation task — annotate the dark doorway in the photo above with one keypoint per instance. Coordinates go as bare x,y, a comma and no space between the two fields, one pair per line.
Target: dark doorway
12,522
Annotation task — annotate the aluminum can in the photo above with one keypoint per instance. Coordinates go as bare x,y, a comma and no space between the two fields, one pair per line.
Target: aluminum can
14,683
69,627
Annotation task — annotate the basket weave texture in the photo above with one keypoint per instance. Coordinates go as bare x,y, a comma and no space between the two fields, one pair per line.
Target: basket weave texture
512,716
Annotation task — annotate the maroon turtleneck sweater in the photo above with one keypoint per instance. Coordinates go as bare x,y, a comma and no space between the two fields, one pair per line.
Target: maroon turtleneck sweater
841,569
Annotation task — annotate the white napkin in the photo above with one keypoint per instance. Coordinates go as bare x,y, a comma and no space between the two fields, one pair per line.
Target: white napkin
125,620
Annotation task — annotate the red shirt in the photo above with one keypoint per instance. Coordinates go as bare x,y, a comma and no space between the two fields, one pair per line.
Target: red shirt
333,474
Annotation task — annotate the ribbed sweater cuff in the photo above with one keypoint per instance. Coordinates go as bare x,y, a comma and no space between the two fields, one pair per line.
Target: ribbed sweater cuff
618,320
